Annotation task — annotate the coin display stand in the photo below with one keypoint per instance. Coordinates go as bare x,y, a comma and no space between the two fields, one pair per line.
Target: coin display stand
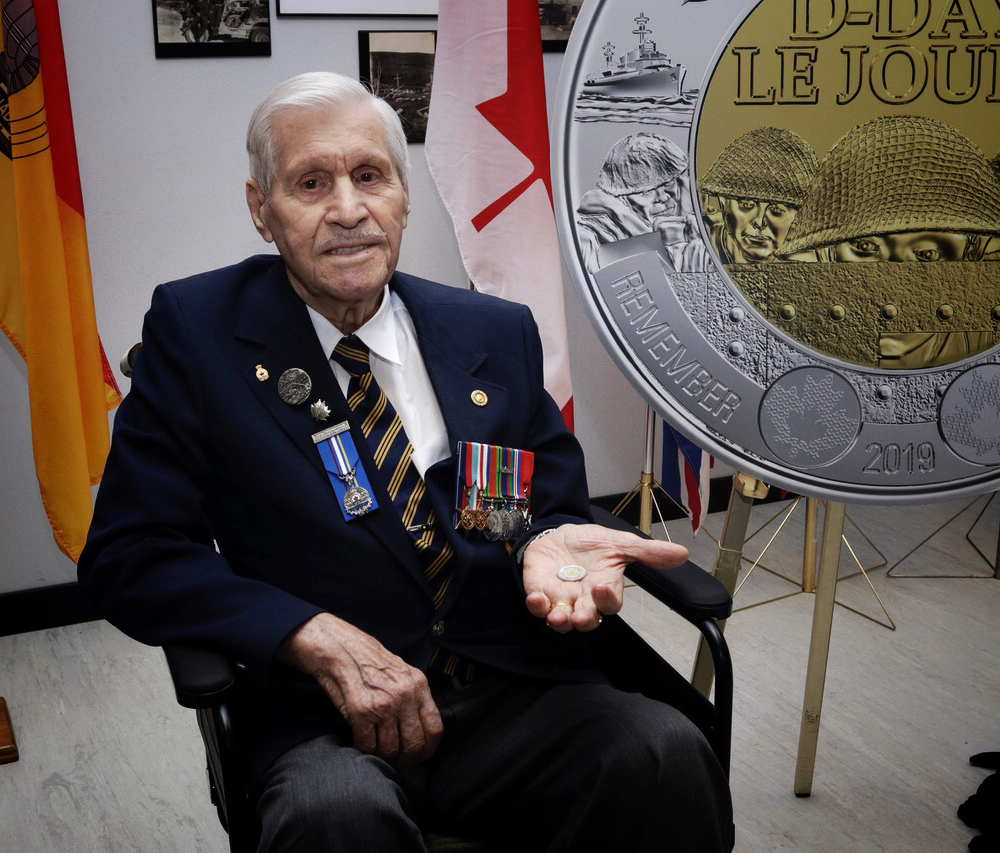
727,567
808,575
994,564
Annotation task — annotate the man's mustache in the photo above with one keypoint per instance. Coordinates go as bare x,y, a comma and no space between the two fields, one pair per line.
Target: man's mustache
342,237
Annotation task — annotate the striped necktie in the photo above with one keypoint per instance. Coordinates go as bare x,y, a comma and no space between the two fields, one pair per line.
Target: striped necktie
393,456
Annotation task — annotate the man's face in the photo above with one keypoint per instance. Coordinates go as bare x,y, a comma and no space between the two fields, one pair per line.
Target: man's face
711,210
914,246
658,203
337,208
758,227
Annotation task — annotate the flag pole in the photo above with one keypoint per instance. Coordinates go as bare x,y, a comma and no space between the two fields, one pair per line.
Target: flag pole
645,488
646,477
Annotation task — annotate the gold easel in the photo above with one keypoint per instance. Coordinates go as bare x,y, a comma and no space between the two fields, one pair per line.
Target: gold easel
824,579
994,566
808,582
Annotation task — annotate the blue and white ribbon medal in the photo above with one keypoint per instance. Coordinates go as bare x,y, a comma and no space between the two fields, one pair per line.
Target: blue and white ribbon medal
347,476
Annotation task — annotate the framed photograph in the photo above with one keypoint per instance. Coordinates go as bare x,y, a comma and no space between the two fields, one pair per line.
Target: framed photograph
184,28
557,17
358,7
398,65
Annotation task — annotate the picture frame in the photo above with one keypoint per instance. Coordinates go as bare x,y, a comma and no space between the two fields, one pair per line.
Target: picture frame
194,28
398,65
399,8
557,18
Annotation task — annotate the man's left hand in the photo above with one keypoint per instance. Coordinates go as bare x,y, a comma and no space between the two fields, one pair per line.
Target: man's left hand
580,605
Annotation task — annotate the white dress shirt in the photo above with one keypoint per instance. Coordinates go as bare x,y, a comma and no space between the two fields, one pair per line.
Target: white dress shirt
399,369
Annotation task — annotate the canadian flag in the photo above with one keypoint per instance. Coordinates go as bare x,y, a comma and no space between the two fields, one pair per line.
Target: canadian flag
487,148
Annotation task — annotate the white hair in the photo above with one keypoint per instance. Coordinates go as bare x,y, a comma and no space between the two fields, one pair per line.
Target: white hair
318,90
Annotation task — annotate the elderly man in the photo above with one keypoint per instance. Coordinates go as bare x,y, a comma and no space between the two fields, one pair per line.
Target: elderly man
282,486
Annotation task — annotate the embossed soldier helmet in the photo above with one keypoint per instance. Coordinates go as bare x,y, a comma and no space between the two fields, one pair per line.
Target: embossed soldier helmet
766,164
995,165
896,174
639,163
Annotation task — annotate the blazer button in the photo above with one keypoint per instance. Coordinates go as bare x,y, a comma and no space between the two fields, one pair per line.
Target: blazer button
438,628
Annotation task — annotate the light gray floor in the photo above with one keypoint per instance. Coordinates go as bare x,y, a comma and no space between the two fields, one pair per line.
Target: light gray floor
110,763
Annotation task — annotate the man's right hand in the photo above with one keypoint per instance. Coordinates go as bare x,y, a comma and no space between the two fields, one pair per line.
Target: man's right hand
386,702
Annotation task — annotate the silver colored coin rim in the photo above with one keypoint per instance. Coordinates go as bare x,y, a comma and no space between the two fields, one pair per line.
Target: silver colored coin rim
861,474
571,573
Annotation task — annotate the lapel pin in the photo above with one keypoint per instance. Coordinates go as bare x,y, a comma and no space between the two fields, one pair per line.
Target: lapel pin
479,397
261,373
294,386
319,411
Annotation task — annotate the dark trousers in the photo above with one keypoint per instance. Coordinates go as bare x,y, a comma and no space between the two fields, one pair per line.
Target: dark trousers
554,767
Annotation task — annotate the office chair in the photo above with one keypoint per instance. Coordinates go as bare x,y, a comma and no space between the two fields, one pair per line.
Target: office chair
207,682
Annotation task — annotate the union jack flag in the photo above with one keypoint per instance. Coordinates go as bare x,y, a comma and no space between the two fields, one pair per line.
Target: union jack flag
685,475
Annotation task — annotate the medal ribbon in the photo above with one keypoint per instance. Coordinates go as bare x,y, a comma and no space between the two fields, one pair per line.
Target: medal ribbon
337,452
498,472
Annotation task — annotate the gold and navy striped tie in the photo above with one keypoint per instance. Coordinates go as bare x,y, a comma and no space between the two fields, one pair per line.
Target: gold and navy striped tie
393,453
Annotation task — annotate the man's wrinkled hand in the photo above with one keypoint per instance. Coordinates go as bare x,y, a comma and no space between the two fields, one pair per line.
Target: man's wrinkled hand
604,553
386,702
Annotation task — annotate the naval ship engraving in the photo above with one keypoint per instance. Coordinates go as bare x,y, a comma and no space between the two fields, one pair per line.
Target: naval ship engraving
642,71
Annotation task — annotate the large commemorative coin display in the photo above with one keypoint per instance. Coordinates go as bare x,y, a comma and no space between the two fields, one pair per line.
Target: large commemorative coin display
784,222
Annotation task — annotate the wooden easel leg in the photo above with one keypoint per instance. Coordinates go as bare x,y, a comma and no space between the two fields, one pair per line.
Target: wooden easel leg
819,647
727,567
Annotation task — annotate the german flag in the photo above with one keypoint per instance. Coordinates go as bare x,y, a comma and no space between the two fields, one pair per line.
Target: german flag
46,298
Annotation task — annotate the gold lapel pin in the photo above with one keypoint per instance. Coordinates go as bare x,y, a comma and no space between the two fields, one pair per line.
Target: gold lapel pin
261,373
479,397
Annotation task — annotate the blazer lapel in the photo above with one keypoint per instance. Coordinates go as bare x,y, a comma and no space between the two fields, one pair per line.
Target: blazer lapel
275,328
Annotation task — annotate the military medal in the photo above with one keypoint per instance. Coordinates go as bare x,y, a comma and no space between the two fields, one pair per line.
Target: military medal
494,487
357,499
345,472
494,526
294,386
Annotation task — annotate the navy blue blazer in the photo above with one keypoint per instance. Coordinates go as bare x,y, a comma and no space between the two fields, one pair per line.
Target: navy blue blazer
216,524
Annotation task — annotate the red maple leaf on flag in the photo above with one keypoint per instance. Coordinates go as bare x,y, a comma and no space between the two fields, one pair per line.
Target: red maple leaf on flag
520,113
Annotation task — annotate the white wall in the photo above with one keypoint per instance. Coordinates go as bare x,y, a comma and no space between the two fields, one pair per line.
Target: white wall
160,144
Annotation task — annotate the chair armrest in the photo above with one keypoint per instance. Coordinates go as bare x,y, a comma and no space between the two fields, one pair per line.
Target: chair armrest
687,589
202,677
